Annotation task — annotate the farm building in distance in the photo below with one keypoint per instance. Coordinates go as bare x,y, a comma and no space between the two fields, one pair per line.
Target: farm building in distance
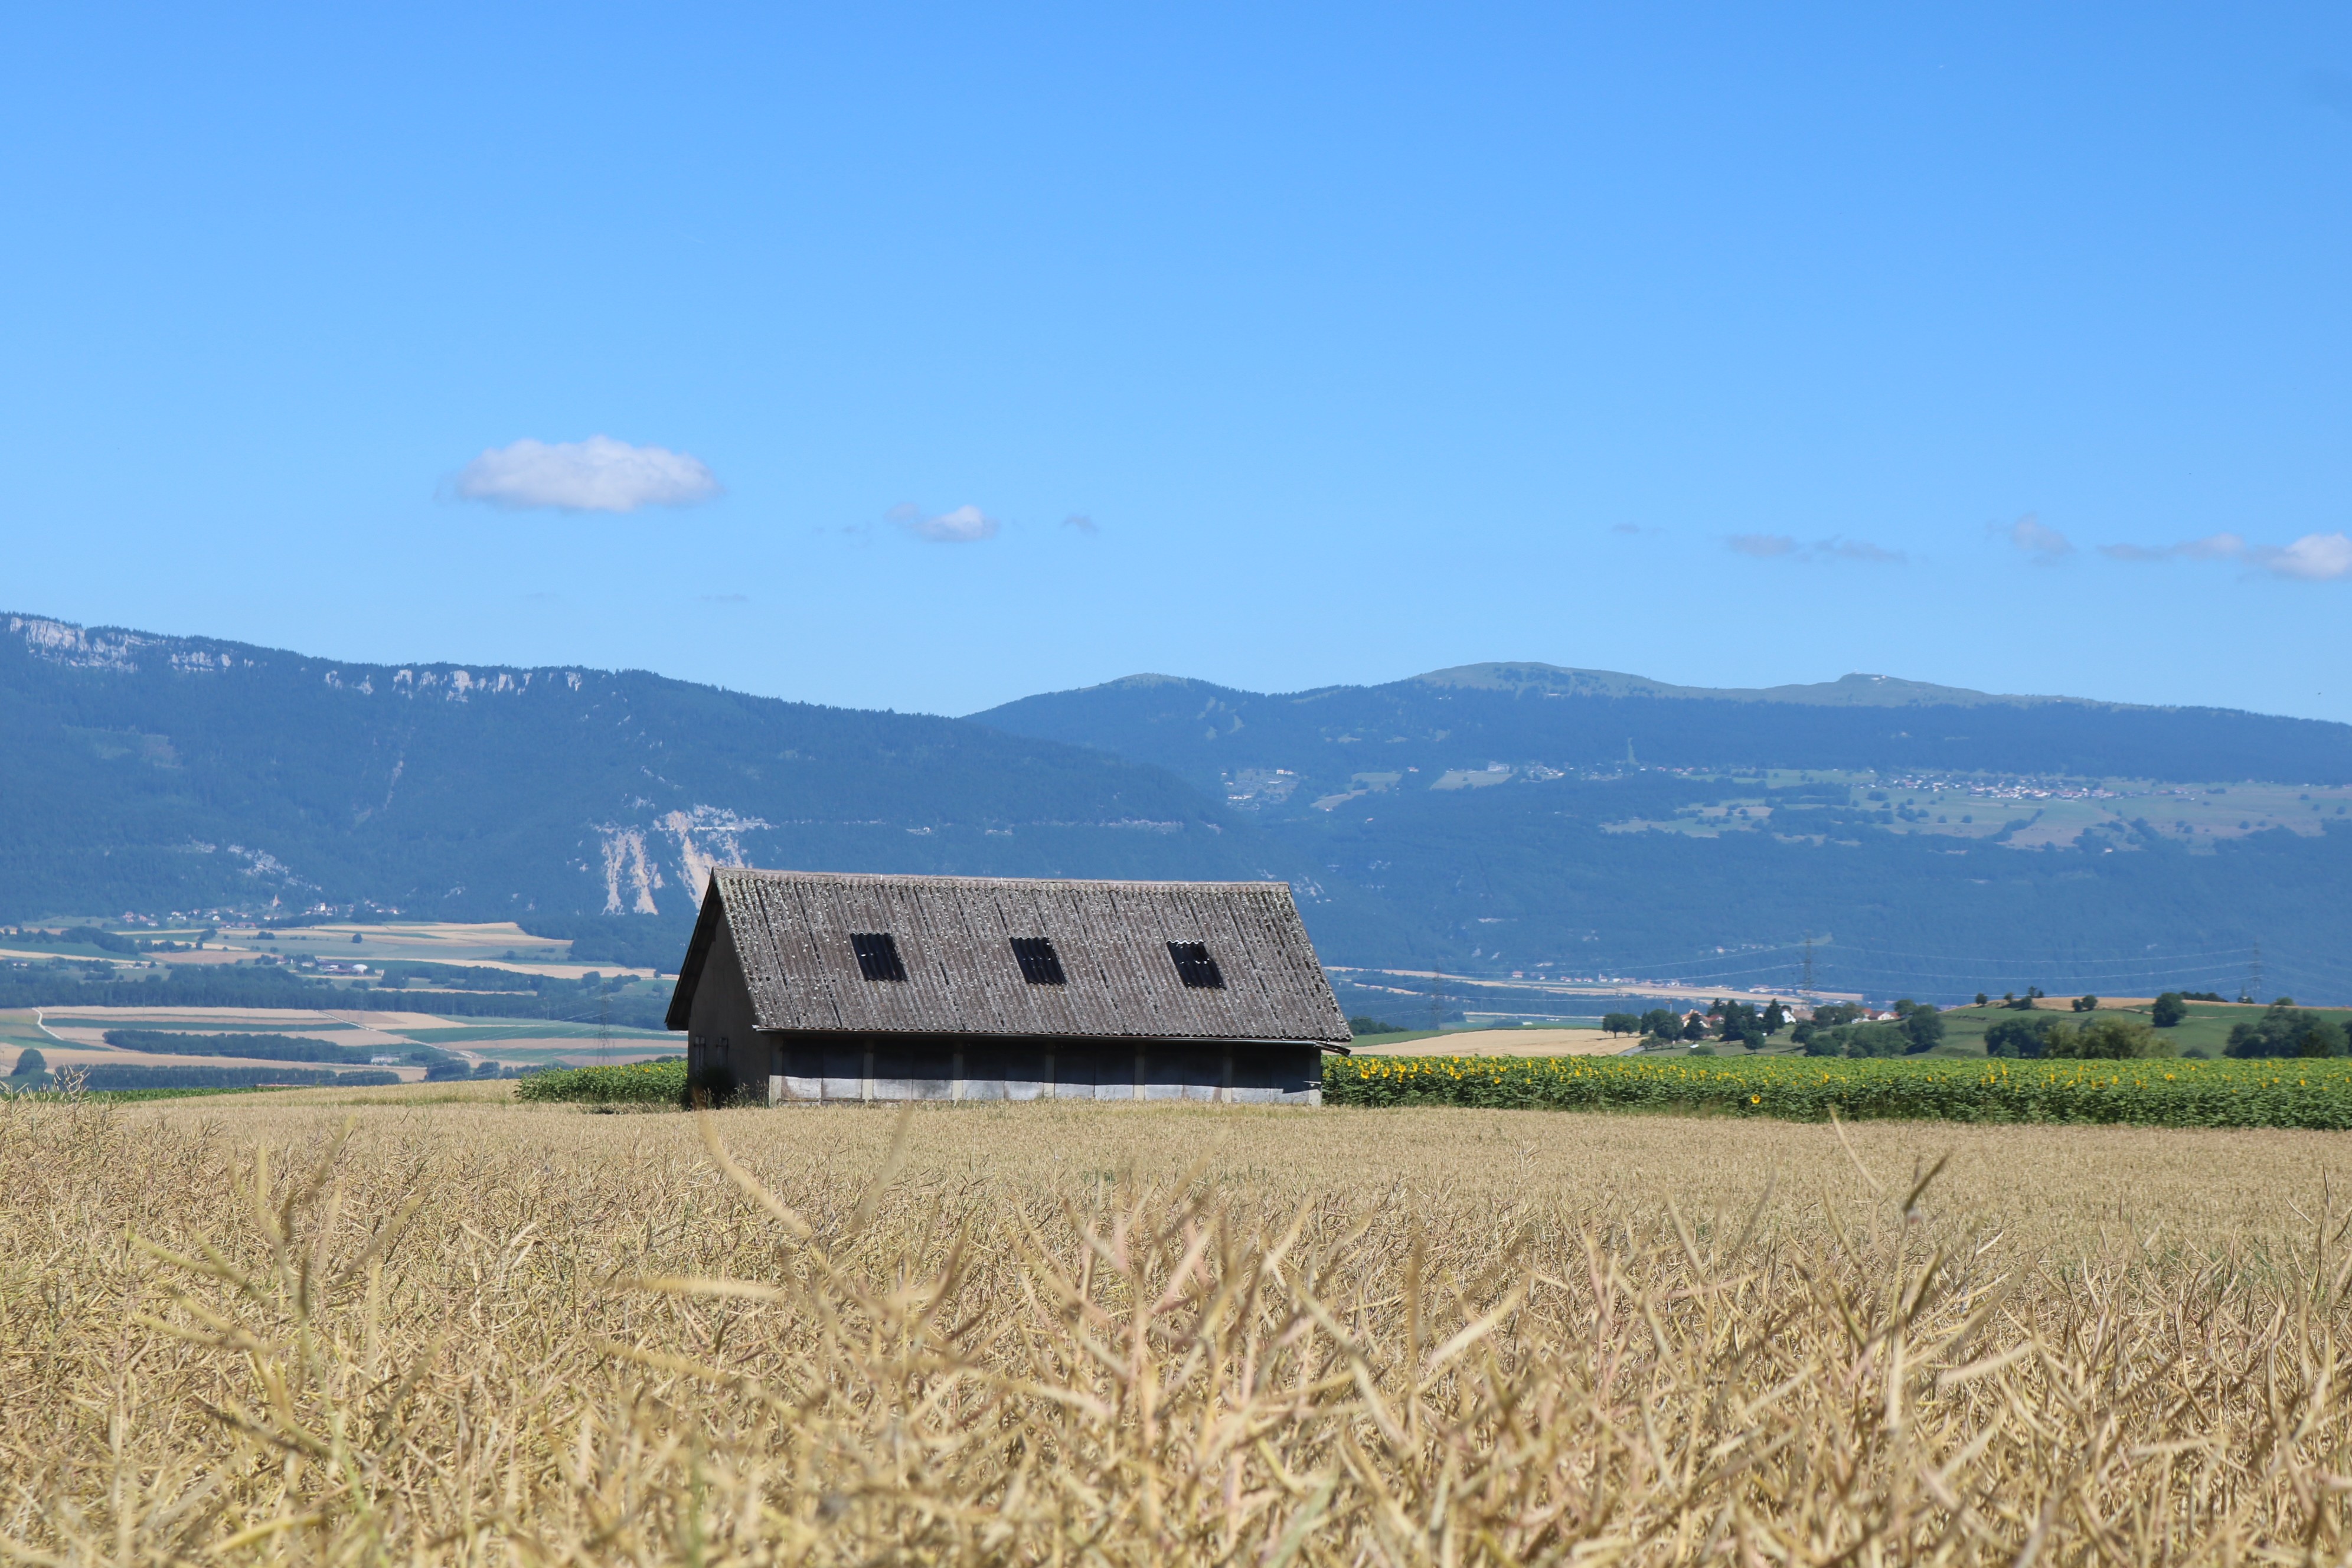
822,986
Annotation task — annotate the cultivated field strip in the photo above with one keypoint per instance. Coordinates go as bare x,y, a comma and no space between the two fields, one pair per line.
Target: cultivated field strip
477,1332
2289,1092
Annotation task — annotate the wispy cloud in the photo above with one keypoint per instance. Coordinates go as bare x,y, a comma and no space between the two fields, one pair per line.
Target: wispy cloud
964,525
2037,539
599,474
2213,547
2314,558
1769,546
1080,521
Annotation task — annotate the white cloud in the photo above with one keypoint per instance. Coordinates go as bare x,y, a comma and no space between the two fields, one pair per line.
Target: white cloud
2044,543
1080,521
964,525
599,474
2314,558
1761,544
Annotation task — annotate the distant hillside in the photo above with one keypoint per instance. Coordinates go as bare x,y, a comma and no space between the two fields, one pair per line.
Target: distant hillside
154,774
1534,714
1485,820
1504,817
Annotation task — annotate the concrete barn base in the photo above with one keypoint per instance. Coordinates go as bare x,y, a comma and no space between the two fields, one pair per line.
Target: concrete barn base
867,1069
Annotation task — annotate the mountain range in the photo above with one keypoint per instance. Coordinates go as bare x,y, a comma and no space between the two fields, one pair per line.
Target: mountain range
1516,823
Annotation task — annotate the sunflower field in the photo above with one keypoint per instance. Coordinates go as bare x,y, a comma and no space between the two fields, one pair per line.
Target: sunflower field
638,1083
2291,1092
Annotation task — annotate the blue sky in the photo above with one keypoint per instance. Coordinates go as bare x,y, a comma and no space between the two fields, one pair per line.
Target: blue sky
1726,346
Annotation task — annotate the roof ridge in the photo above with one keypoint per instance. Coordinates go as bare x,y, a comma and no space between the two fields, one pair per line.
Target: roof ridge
779,874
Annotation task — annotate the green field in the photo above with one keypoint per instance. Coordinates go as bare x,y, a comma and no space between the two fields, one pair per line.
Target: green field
120,1096
2206,1030
2315,1093
645,1083
473,1034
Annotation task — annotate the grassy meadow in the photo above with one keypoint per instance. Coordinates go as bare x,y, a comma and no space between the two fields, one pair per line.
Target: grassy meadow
432,1323
2206,1030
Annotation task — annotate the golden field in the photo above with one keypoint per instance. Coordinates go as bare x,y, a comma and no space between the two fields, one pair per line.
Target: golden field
426,1324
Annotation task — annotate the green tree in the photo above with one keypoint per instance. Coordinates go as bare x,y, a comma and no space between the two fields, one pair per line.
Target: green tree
2169,1009
1925,1026
2110,1038
1621,1023
1695,1026
2017,1037
1872,1040
1739,1021
1663,1022
2285,1030
2084,1004
29,1061
1829,1015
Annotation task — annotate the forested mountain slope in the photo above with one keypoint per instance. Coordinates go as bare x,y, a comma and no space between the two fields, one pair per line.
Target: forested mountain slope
157,774
1522,817
1486,821
1538,715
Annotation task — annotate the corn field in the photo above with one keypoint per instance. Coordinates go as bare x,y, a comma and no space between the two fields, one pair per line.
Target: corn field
490,1333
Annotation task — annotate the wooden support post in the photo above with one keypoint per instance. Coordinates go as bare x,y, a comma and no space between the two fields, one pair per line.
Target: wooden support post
955,1089
865,1090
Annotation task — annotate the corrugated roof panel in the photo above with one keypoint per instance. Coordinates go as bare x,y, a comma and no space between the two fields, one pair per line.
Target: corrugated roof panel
793,930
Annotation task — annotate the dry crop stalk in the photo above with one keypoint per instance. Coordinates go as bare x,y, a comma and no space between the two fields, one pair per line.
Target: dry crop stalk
437,1353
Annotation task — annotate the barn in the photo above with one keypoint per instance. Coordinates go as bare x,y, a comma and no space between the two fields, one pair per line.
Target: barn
809,985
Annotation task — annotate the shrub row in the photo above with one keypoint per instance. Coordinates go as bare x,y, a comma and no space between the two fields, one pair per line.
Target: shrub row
640,1083
253,1047
107,1076
2315,1093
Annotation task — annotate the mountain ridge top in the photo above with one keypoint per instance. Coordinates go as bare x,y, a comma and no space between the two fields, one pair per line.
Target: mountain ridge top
1855,690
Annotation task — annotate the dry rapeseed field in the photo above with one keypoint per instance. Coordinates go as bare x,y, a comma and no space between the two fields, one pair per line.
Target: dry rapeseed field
399,1326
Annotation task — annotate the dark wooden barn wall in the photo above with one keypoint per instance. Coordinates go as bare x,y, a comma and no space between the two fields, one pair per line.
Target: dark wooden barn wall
723,1034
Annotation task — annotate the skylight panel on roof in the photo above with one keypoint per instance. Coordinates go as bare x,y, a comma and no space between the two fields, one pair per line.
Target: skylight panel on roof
878,955
1195,967
1040,964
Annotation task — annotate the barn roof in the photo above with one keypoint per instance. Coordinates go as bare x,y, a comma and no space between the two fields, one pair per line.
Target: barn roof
954,936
